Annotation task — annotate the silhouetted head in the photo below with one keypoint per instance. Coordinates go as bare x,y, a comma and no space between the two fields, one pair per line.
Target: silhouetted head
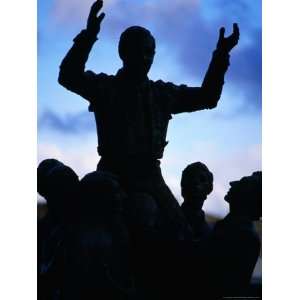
137,50
57,183
196,182
245,196
101,196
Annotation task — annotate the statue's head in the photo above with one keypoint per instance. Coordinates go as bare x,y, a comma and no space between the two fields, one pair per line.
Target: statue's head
245,196
58,184
100,195
196,182
137,50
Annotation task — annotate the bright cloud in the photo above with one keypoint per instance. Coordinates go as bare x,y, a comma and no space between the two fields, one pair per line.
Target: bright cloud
225,167
184,29
82,161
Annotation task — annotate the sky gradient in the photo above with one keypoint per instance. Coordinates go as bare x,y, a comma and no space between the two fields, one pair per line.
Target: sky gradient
227,139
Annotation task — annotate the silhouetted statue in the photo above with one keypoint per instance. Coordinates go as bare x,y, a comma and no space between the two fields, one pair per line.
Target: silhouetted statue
250,189
132,112
236,245
58,184
155,256
196,185
98,264
89,252
143,217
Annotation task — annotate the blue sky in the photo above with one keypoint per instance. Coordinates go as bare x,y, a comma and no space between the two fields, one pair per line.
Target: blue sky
227,139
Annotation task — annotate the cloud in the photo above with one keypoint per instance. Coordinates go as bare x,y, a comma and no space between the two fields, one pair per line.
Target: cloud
75,123
189,30
226,167
233,166
71,12
82,161
195,38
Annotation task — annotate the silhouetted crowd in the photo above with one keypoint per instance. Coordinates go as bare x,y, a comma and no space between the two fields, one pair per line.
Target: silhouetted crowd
99,241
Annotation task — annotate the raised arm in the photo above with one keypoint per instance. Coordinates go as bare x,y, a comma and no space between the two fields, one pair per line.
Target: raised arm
214,79
207,96
72,74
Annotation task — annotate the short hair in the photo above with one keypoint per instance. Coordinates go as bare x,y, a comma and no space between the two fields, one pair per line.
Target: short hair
255,180
248,201
191,169
99,181
130,35
52,173
96,190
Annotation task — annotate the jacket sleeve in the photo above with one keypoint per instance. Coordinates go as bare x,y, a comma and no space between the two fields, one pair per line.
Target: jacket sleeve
72,74
189,99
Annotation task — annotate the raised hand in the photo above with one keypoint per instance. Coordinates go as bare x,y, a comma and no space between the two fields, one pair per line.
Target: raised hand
227,43
93,22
